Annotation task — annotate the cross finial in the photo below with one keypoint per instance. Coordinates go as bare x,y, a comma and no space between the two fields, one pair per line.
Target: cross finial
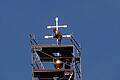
57,33
56,25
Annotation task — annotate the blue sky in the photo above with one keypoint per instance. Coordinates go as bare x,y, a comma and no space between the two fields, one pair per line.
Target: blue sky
95,24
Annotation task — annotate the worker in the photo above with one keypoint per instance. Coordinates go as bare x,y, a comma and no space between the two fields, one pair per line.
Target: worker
57,35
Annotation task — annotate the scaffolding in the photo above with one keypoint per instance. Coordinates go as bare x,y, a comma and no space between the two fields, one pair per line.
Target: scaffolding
56,61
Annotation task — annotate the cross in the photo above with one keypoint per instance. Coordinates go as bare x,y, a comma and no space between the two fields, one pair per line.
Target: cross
57,28
56,25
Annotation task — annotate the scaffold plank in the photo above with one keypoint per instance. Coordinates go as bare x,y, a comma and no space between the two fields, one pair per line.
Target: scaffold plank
53,70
